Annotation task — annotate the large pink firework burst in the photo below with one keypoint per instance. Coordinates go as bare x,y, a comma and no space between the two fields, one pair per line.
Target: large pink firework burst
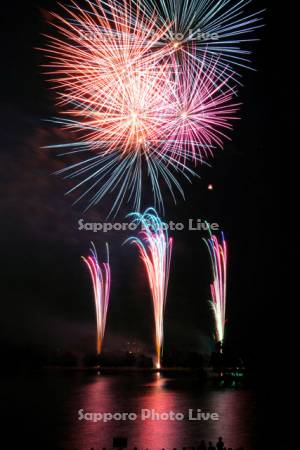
203,108
96,47
129,101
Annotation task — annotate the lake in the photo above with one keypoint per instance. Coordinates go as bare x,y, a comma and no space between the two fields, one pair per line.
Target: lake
44,411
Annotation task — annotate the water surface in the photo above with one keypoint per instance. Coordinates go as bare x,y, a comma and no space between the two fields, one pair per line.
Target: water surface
45,411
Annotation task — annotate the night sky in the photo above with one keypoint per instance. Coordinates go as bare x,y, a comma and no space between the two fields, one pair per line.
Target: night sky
45,288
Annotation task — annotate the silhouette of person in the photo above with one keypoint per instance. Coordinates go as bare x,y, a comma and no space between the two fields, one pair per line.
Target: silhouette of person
210,446
220,444
202,445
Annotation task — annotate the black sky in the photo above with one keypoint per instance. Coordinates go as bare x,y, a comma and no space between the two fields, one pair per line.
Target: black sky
46,296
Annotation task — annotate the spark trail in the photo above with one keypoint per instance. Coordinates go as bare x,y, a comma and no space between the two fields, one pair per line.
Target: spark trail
218,254
155,249
101,279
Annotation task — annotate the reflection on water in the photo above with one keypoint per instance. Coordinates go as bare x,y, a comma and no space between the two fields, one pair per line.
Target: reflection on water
134,393
51,403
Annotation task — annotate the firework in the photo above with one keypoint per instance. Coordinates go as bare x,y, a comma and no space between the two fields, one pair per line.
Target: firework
132,107
155,248
100,275
218,29
218,256
202,110
96,49
115,95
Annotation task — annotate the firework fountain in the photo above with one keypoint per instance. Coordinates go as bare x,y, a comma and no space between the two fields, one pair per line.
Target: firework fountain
100,275
155,248
218,255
